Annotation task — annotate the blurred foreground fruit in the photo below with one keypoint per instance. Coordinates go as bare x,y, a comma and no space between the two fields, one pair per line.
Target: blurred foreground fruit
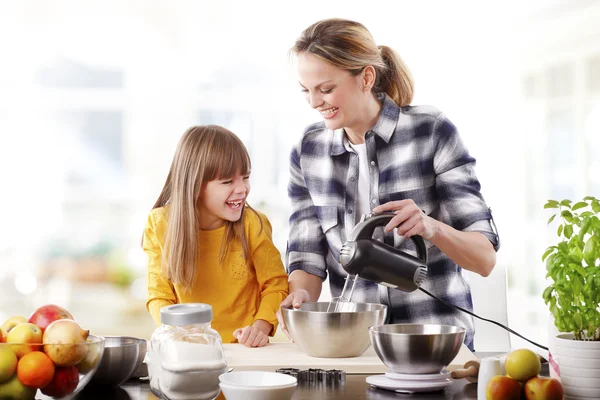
11,323
539,388
8,362
23,334
47,314
522,364
65,342
91,359
64,382
13,389
35,369
501,387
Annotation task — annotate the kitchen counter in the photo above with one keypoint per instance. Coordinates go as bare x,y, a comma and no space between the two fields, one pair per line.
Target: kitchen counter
355,387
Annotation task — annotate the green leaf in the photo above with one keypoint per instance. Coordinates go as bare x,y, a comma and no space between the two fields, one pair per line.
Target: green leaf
577,320
585,228
589,252
568,231
560,229
551,219
589,198
548,252
551,204
566,203
566,214
547,295
579,205
596,206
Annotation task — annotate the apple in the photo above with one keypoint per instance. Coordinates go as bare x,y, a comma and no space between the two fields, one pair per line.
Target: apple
540,388
8,362
14,389
522,364
23,334
502,387
9,324
47,314
64,382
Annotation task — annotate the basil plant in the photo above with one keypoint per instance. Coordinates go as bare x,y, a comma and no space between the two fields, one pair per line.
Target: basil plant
574,267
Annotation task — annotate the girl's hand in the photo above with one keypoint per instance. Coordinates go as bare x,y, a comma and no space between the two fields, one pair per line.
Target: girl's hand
256,335
409,219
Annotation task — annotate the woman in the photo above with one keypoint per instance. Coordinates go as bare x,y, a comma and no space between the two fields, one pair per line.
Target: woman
372,153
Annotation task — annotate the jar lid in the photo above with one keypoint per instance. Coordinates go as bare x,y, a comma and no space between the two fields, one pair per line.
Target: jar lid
186,314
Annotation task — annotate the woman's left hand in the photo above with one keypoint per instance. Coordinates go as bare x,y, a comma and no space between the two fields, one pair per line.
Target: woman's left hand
252,336
409,219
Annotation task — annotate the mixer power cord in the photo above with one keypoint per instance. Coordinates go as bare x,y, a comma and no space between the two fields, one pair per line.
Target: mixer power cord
484,319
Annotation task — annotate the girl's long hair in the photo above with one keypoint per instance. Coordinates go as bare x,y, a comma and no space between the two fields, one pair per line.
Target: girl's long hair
348,45
204,153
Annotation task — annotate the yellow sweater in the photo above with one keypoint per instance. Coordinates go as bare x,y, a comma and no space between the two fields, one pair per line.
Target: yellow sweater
239,292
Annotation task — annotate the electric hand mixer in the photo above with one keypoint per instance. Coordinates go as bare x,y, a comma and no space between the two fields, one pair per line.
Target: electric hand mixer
363,256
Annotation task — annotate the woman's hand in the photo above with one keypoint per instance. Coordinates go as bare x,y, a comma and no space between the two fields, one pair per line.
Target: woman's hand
294,299
256,335
409,219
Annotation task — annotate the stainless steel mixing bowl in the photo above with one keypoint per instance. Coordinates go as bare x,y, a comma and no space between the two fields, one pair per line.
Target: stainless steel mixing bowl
122,357
416,348
342,334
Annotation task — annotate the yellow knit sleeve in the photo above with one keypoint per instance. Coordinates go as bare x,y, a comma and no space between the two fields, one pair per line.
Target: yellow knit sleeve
270,272
160,292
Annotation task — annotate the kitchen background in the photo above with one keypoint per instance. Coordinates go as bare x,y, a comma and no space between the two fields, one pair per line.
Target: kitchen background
95,95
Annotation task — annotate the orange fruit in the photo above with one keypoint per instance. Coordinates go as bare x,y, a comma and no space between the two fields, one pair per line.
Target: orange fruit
35,369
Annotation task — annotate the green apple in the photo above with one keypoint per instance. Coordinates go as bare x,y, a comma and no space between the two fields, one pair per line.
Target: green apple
8,362
522,364
13,389
23,334
9,324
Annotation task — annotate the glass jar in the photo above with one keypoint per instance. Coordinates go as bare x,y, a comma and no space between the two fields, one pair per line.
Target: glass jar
185,355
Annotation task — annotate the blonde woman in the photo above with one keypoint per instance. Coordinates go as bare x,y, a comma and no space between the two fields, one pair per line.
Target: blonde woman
374,152
205,244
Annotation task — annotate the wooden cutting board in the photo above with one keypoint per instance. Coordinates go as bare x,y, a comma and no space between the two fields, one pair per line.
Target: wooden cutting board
288,355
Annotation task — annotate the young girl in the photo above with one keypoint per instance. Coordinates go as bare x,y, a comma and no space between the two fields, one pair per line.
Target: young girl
205,244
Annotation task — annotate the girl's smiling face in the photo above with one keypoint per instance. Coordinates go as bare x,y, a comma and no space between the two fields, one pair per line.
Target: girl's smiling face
223,200
334,92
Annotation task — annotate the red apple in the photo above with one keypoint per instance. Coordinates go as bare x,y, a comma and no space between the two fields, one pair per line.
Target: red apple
65,381
501,387
540,388
47,314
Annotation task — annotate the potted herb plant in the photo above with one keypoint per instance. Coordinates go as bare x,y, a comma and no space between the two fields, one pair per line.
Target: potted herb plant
573,297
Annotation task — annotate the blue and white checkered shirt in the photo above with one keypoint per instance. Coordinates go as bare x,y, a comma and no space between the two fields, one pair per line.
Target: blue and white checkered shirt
414,153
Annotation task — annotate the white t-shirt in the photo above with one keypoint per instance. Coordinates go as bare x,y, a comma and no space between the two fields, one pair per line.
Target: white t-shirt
362,204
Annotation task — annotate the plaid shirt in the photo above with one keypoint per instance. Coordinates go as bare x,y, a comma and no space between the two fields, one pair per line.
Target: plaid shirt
415,153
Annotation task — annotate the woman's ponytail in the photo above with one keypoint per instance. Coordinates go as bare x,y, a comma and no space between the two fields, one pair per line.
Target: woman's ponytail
396,80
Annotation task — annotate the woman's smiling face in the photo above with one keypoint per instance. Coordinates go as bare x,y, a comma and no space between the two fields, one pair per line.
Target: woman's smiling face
332,91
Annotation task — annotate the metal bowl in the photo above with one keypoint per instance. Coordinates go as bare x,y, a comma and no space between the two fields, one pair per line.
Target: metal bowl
416,348
122,357
320,333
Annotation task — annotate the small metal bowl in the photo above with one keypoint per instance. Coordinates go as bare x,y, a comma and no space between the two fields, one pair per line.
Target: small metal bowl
122,357
416,348
320,333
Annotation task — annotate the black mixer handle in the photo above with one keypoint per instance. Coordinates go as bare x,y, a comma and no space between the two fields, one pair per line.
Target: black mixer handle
365,229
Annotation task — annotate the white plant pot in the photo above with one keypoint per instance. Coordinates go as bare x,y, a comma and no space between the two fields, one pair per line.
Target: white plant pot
579,366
